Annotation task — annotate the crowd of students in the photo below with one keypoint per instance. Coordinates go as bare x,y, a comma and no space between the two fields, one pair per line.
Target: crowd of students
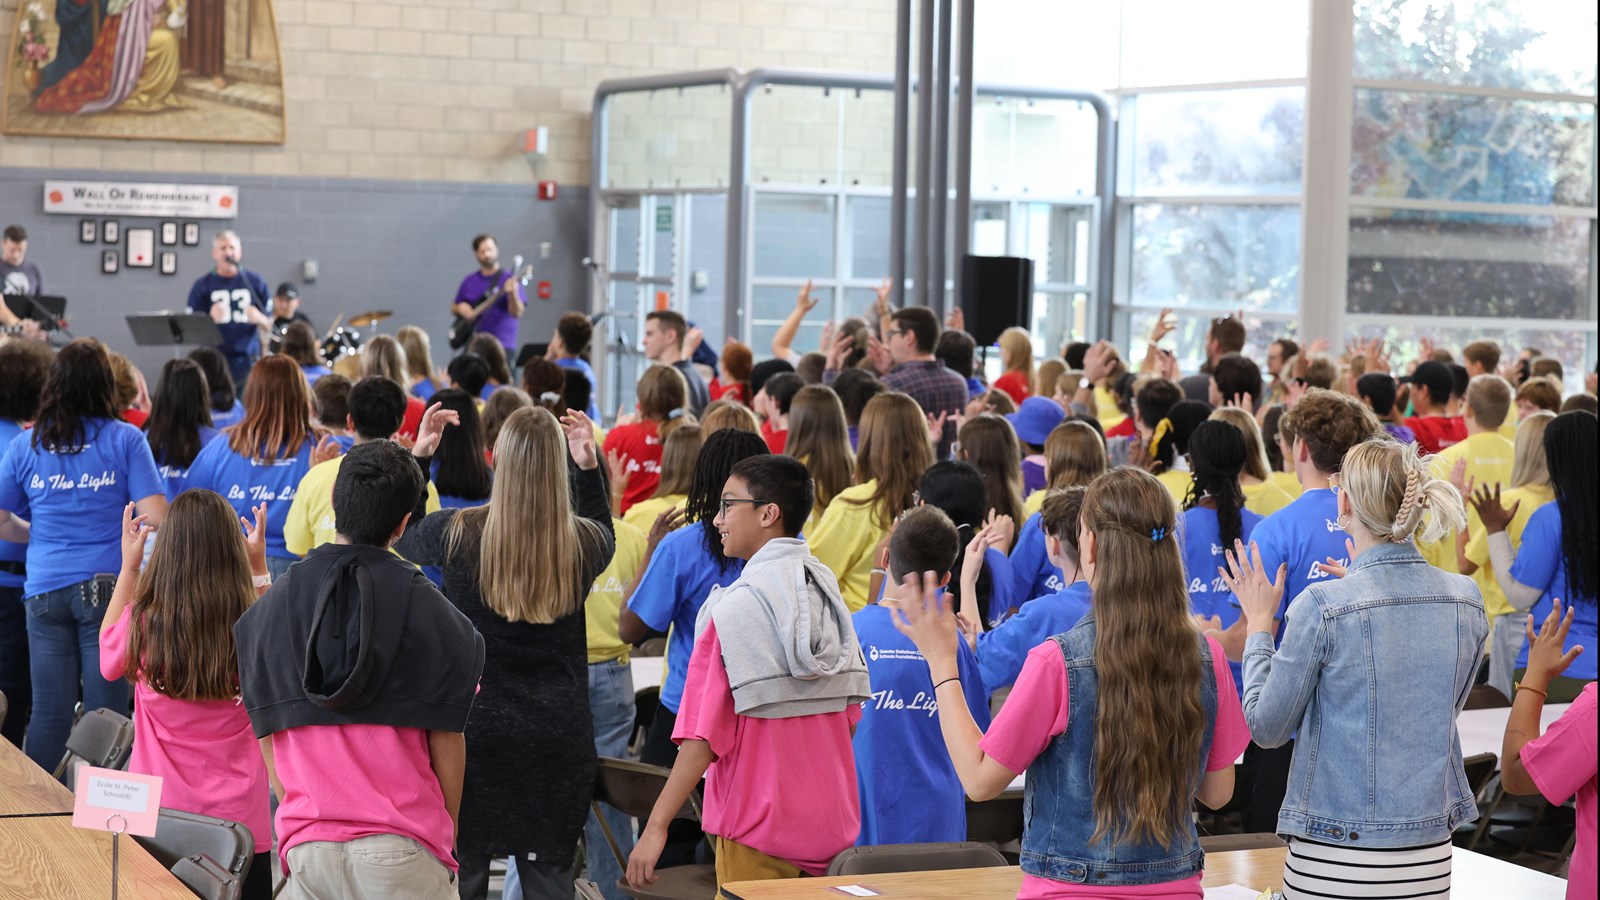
378,600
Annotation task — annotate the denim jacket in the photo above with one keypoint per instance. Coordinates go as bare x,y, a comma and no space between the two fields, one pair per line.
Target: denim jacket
1058,800
1372,671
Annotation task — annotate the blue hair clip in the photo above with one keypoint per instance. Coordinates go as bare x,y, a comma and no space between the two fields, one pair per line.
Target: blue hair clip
1158,534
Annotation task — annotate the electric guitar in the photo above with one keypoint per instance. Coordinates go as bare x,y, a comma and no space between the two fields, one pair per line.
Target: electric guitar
461,329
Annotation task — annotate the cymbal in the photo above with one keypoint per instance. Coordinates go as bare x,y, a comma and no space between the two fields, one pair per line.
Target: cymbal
370,317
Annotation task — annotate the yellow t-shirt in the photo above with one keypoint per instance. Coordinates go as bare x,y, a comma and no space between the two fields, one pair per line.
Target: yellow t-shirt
1289,481
643,514
604,606
1177,484
1489,457
1265,498
1532,497
1034,503
310,521
845,538
1105,408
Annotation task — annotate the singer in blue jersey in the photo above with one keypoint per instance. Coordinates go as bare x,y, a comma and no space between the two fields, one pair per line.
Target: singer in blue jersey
238,300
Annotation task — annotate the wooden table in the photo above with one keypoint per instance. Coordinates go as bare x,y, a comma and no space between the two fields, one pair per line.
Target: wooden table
44,856
1474,876
26,788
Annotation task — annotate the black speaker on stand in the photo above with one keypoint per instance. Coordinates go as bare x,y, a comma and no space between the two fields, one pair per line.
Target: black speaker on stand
995,295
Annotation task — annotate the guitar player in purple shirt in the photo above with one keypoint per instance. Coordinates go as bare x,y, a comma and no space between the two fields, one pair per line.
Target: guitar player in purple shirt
498,288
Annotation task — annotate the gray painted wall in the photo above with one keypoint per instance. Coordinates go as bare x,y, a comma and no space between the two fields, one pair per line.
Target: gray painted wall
398,245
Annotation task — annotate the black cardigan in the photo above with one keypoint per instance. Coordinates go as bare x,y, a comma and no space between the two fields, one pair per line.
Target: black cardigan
530,740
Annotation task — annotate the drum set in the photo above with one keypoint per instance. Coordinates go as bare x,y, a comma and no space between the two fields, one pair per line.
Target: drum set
341,346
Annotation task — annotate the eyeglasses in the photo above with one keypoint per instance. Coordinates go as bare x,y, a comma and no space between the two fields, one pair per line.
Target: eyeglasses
726,502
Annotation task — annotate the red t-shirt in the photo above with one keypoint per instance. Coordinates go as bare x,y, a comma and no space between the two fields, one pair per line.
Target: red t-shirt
734,391
640,446
135,417
1121,429
1434,433
1015,384
414,410
775,439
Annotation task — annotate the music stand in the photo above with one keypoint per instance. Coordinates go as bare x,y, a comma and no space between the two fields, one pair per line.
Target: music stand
173,329
531,352
45,309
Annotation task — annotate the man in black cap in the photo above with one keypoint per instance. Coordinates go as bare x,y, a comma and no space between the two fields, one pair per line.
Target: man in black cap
286,307
1432,383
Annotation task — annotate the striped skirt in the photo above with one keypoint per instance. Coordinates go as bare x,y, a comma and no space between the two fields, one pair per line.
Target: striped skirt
1314,871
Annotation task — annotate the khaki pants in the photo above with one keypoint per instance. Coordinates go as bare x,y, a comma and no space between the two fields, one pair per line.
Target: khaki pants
736,862
380,867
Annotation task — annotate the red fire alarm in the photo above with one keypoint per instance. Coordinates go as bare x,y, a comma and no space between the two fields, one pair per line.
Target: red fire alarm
545,291
547,190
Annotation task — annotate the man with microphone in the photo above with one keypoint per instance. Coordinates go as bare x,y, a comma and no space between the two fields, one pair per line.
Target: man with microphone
238,300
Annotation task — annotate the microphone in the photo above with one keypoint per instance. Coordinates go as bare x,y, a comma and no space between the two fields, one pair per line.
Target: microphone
589,263
516,262
597,318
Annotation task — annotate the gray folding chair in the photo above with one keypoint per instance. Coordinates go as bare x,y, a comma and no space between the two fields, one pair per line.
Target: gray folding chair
632,788
997,821
102,739
208,880
883,858
587,890
183,835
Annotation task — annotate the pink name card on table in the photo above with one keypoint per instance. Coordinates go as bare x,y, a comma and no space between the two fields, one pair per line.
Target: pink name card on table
108,800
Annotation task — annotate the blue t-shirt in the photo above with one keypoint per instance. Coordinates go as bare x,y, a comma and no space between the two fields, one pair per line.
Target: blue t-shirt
1302,534
244,482
674,586
424,389
1209,595
246,288
175,476
1002,594
230,418
313,373
909,790
345,442
1001,652
11,552
1541,564
1032,574
75,500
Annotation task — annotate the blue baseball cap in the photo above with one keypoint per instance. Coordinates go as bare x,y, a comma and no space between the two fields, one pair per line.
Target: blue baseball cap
1035,419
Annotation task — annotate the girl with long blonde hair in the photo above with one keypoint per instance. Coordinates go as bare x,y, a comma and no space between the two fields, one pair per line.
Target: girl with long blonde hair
383,357
1016,357
1372,815
263,458
1122,722
819,437
520,569
421,378
894,449
169,630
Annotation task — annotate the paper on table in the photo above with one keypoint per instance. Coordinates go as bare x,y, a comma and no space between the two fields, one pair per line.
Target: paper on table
855,890
1234,892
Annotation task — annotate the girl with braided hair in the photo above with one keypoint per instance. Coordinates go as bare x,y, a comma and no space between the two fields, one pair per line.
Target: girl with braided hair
1376,663
1214,517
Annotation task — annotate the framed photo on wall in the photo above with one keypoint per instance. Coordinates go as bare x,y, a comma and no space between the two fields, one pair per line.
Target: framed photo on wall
111,232
109,262
169,262
191,234
141,248
88,231
169,233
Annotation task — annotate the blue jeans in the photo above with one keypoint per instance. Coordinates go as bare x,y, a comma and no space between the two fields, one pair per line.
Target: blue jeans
277,565
64,650
611,705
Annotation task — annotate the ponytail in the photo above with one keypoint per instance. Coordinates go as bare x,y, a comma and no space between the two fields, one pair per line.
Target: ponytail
1394,495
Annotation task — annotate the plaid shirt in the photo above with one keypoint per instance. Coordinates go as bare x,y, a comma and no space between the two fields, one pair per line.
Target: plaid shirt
936,389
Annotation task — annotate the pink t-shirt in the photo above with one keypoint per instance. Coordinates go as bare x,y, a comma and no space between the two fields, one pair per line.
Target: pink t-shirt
1026,726
762,788
203,750
1562,763
344,782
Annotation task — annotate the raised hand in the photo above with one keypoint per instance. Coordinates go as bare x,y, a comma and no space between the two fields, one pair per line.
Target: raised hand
880,303
432,427
805,302
326,449
692,339
1259,594
1097,361
624,417
998,530
134,535
580,438
1164,325
925,616
617,466
882,359
1494,515
1545,658
1460,480
1333,566
936,427
255,539
665,524
839,349
957,320
1316,347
